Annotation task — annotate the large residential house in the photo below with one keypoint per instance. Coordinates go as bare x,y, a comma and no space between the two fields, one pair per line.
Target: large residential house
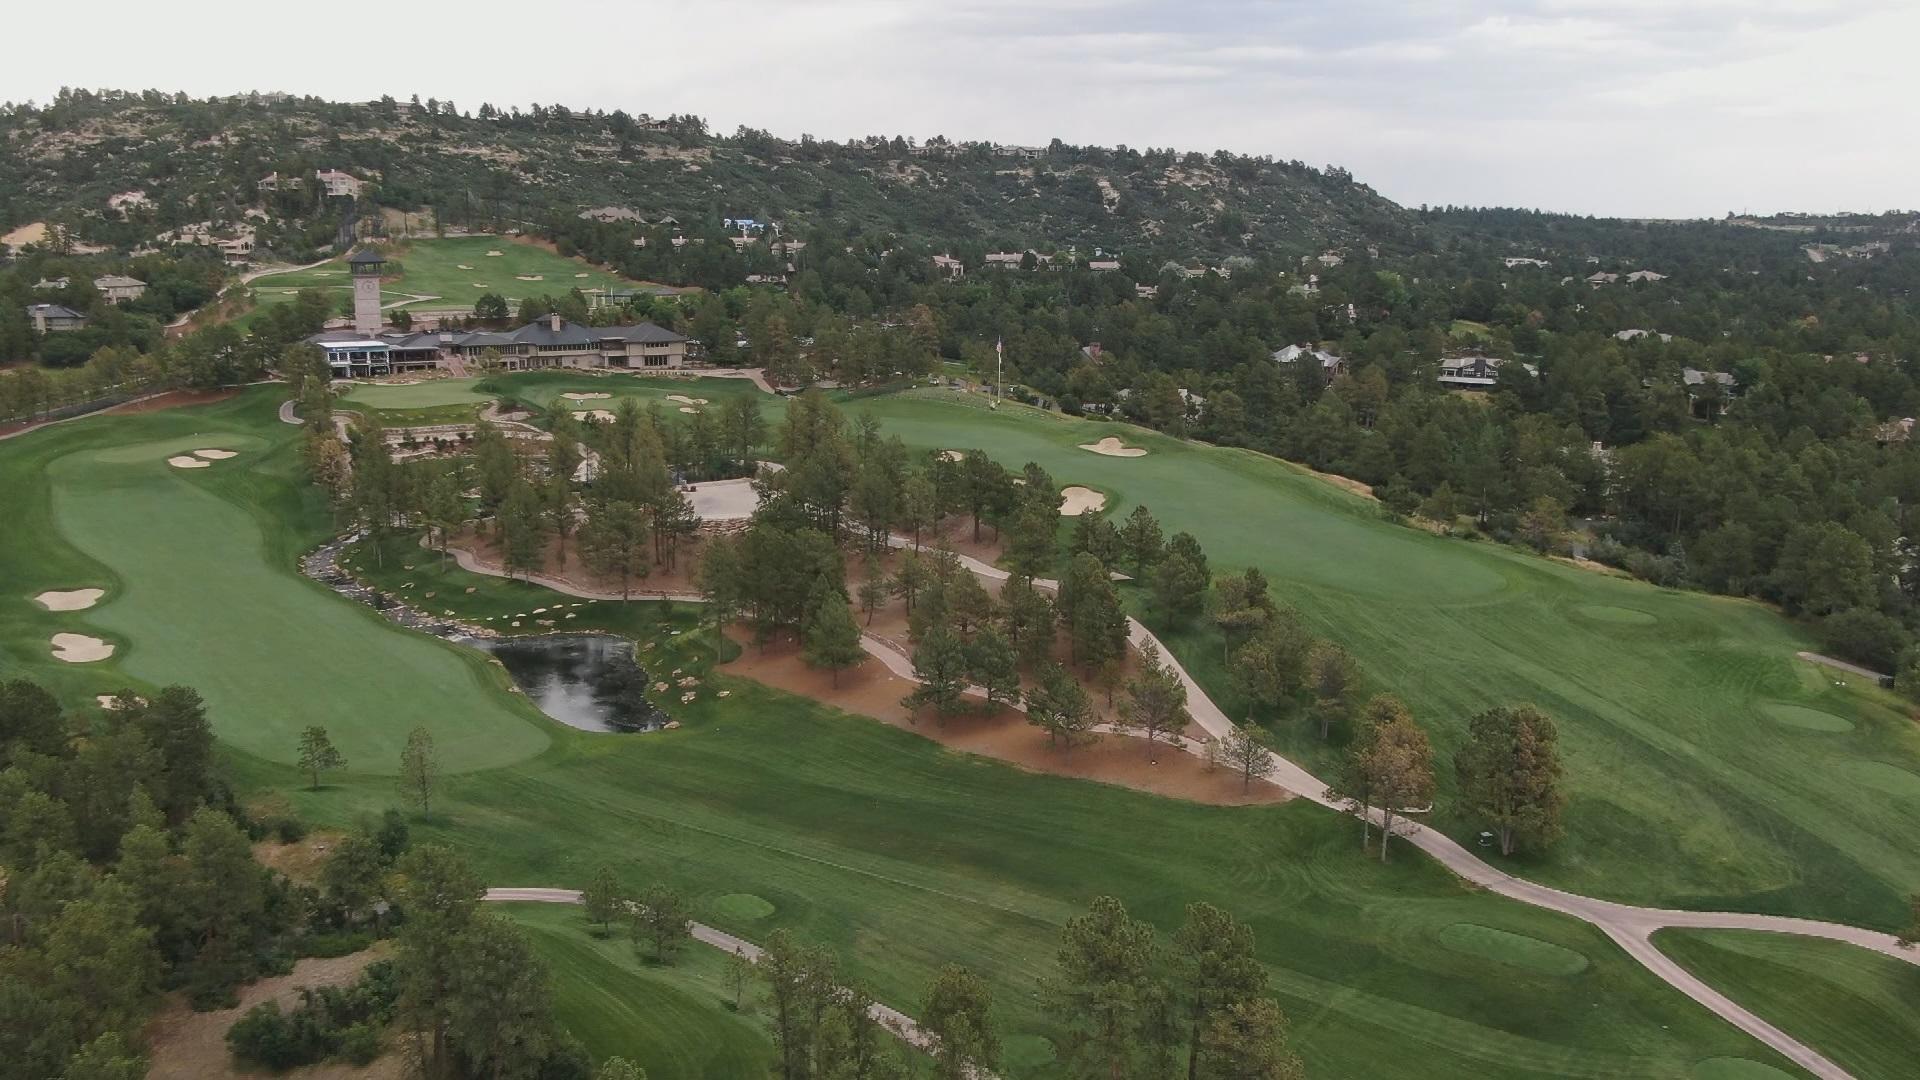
1330,364
52,318
1513,261
1476,372
1014,260
1636,334
120,288
552,342
1696,380
1103,266
1646,275
273,181
335,182
950,266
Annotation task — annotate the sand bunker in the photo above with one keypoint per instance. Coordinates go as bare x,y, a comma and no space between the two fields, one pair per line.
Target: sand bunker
183,461
1112,447
481,285
593,414
80,649
214,455
579,275
685,400
529,277
462,266
1075,501
953,455
495,254
688,409
69,600
585,397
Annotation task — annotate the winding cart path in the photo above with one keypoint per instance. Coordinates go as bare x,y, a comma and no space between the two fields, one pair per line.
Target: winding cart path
1629,926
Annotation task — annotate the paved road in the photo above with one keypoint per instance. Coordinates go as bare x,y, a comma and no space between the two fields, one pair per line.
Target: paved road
1842,665
899,1023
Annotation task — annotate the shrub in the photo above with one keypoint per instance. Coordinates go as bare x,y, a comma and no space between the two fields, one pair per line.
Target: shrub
1864,636
289,829
359,1045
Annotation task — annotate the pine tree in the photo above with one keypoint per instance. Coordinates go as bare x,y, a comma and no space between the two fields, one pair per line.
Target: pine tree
992,665
317,754
1059,706
874,590
1156,704
523,530
614,542
832,635
940,665
1214,970
603,898
957,1015
1509,774
1332,673
1247,752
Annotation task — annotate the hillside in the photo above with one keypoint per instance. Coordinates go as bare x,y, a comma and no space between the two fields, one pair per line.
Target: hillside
202,160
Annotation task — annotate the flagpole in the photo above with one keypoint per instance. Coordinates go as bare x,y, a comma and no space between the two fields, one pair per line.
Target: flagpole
999,366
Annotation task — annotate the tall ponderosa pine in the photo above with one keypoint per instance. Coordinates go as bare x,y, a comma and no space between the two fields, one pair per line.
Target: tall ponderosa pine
1059,706
1156,703
832,635
1509,773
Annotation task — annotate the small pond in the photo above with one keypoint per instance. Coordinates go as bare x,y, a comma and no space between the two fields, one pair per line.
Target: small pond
585,681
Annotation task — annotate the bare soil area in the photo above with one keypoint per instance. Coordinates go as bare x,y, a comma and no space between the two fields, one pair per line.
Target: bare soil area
186,1045
1004,734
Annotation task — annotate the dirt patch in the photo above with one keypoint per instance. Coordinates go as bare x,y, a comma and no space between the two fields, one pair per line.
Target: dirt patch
70,599
185,461
34,233
870,690
681,579
593,414
1112,447
301,860
1075,501
186,1045
1344,483
80,648
953,455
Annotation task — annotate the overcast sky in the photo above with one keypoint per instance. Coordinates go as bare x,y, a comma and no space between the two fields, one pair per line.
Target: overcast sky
1627,107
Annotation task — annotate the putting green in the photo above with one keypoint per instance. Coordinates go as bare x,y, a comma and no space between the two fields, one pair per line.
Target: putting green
1799,716
1734,1068
1509,948
427,394
1886,779
1622,615
743,906
201,602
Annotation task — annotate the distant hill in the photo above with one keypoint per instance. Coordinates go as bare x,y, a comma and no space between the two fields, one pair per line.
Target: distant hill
118,168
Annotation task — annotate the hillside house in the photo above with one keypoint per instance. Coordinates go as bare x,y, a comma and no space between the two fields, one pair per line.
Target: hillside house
1331,365
273,181
1637,334
1696,381
1143,291
1600,278
53,319
1645,275
1103,266
119,288
53,284
1513,261
337,183
1476,372
949,266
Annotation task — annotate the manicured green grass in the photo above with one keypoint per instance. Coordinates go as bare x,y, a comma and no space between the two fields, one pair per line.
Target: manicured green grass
543,390
672,1021
202,590
432,268
1859,1008
900,855
1685,790
427,394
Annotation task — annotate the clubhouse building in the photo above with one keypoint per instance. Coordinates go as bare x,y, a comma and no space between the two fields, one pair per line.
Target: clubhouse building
552,342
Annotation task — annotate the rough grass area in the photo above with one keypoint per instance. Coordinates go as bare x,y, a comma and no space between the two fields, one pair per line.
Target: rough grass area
1860,1009
670,1021
1683,792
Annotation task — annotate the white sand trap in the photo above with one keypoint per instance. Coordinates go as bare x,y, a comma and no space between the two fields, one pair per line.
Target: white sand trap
953,455
215,455
495,254
1112,447
80,649
1075,501
107,701
184,461
70,599
585,397
579,275
593,414
481,285
462,266
529,277
685,400
688,409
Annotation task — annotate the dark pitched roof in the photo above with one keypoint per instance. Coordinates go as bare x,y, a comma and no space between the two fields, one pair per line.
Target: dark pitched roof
366,257
541,334
645,333
53,311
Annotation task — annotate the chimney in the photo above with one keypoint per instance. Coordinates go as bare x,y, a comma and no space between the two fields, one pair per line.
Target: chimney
553,321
